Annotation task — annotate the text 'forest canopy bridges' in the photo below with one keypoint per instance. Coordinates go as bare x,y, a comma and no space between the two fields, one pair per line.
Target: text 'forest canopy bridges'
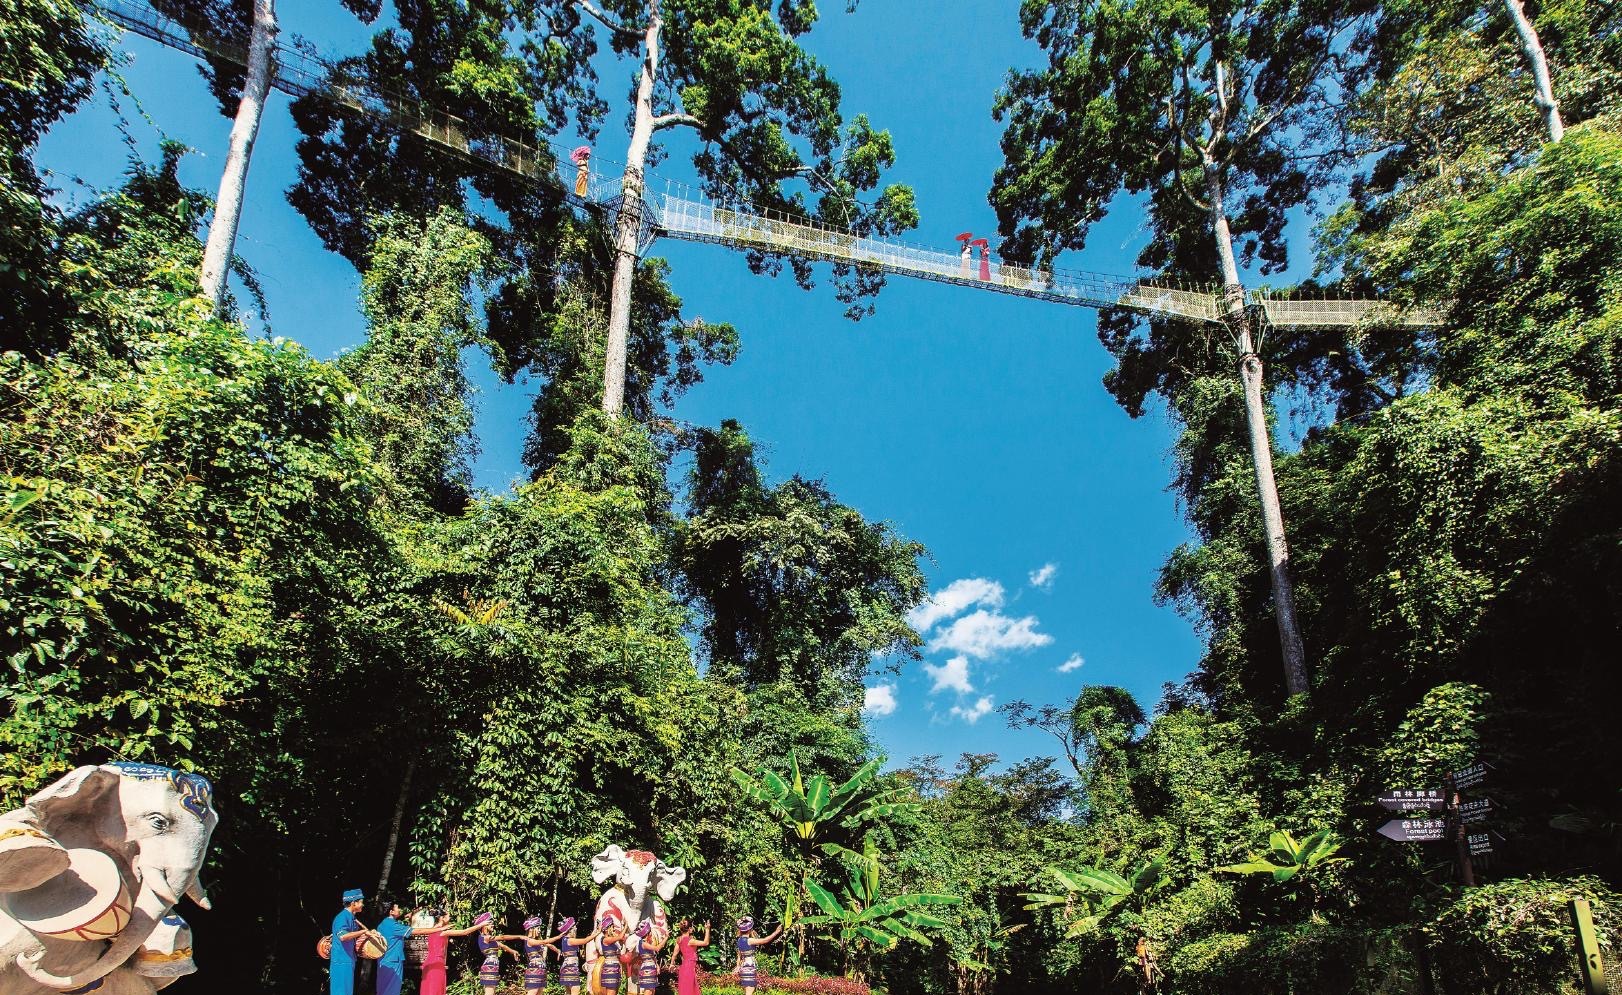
678,213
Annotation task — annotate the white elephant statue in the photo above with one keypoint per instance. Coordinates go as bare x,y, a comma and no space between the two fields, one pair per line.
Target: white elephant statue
91,868
638,876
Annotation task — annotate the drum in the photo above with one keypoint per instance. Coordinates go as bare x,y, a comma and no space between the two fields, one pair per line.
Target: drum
370,945
28,857
323,947
417,944
88,901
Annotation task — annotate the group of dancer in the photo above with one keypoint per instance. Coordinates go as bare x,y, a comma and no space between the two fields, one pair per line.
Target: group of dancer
619,951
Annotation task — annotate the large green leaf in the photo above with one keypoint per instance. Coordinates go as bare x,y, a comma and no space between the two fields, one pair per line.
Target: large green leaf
817,794
858,781
891,906
879,938
825,900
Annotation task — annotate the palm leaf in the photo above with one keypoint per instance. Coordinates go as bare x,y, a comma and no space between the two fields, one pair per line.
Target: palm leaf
817,794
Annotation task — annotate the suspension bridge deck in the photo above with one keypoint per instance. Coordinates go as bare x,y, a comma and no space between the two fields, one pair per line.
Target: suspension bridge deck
300,74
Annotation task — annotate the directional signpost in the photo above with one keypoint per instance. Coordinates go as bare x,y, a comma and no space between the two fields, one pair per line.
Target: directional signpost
1410,800
1456,814
1415,830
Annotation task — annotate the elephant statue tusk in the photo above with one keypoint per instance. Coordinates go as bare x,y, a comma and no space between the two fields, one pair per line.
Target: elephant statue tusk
197,894
151,905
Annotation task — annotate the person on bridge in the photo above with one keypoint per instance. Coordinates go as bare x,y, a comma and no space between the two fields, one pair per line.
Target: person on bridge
968,254
984,246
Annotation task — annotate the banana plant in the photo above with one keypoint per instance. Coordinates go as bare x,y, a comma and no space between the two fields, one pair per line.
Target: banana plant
1098,893
860,920
1286,859
807,806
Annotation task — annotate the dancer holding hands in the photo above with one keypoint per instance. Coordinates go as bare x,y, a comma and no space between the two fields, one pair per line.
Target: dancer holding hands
491,947
535,948
570,953
747,942
687,956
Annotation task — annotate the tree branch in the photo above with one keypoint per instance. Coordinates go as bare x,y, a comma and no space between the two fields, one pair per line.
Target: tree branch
606,21
672,120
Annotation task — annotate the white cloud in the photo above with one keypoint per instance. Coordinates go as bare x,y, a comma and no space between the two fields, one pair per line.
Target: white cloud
955,599
975,712
1042,577
954,676
1074,663
880,700
983,634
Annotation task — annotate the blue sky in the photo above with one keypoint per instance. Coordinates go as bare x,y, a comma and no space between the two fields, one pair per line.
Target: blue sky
973,422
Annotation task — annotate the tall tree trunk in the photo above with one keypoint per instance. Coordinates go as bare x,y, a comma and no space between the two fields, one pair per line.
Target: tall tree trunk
629,223
1543,95
1261,447
552,913
222,234
394,829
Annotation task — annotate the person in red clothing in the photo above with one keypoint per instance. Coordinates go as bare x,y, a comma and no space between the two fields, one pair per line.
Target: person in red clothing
433,961
687,953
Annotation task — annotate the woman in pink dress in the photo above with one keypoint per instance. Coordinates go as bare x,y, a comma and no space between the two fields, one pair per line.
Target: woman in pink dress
687,952
433,961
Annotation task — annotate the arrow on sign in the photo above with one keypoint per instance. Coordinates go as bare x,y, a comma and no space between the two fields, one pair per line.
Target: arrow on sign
1415,830
1410,800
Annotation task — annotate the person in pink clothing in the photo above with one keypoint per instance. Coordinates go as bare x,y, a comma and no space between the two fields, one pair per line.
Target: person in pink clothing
687,951
433,961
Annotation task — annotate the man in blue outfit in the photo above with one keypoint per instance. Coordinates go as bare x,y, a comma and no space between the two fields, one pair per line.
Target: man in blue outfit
345,930
391,967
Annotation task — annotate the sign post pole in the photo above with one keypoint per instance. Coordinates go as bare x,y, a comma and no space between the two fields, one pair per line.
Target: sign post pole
1588,956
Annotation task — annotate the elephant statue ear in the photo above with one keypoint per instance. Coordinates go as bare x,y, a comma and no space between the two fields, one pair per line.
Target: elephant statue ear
607,864
30,853
668,879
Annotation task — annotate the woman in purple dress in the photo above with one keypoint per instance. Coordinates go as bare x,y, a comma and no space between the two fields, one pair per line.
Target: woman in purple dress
569,954
535,948
608,969
490,946
647,958
747,942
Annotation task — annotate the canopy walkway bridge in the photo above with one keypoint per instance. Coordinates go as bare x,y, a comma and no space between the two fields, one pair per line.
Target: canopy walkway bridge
676,213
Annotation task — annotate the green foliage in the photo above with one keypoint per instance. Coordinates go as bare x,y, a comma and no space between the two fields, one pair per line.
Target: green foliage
416,298
48,56
1515,936
1287,860
862,919
808,806
1097,893
794,586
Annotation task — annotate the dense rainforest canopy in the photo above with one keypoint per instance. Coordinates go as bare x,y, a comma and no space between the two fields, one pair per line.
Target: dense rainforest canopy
220,553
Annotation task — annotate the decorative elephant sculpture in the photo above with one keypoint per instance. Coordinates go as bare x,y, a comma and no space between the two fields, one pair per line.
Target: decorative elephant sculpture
638,876
103,854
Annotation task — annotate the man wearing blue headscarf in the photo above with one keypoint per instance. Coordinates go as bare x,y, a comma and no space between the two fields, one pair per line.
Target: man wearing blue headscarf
345,930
